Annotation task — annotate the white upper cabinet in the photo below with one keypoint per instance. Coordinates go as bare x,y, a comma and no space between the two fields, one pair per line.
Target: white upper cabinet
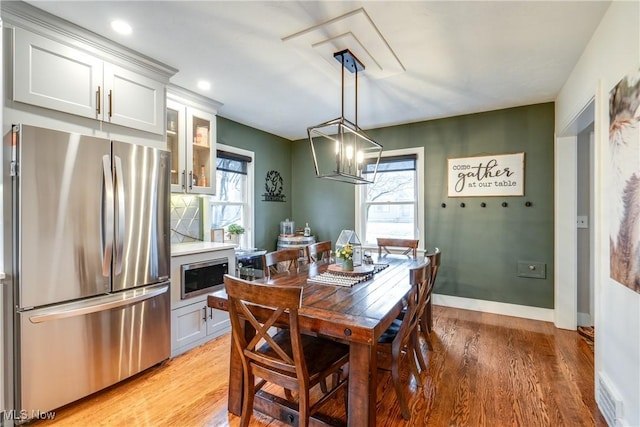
191,138
53,75
133,100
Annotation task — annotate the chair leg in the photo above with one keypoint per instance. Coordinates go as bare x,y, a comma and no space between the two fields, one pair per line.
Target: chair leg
303,408
247,399
411,354
288,395
424,327
429,315
417,353
395,376
323,385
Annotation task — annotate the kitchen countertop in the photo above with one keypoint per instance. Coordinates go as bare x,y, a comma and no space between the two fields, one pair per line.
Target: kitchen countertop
178,249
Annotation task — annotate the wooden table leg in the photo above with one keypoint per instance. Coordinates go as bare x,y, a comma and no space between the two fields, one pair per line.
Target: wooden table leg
362,385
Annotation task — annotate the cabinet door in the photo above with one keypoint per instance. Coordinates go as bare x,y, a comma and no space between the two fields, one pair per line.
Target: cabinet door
201,151
218,323
52,75
176,128
133,100
188,324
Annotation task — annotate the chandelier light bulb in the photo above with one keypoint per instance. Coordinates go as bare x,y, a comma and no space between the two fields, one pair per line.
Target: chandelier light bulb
349,152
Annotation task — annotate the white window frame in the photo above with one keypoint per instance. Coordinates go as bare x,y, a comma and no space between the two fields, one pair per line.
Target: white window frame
360,195
248,205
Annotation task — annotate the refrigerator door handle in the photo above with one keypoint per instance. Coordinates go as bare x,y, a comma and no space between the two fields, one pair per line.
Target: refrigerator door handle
107,216
106,303
120,225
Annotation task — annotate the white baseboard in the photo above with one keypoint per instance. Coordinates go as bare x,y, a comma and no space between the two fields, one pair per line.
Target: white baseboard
506,309
584,319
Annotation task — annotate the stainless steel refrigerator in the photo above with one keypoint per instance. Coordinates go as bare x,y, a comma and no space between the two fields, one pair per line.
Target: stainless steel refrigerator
87,251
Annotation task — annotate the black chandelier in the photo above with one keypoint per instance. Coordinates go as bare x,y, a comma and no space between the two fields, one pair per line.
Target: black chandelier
341,150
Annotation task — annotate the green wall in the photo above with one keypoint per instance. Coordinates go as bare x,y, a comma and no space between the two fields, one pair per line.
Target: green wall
481,246
271,153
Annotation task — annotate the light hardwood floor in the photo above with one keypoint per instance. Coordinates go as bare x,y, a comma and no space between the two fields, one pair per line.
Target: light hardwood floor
485,370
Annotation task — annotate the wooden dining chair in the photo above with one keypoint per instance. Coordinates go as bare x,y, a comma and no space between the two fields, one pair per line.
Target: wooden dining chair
319,252
280,261
401,338
287,358
410,246
426,319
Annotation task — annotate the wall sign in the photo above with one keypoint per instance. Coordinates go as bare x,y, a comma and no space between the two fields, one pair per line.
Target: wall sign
497,175
273,184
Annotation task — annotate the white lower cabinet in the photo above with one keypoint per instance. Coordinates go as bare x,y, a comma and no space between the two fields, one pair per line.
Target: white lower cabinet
195,324
188,325
192,322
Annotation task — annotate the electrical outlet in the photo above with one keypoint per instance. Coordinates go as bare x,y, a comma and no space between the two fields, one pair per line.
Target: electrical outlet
532,269
583,221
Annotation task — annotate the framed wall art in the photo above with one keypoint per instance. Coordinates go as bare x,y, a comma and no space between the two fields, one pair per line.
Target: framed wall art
624,181
217,235
493,175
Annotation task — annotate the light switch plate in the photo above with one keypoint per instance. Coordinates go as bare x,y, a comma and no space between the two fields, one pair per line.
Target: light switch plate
532,269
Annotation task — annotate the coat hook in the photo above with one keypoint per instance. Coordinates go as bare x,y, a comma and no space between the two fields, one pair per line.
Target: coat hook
444,205
505,204
462,205
483,205
528,204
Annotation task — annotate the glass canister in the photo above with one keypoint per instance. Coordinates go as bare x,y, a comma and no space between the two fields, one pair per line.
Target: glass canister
287,228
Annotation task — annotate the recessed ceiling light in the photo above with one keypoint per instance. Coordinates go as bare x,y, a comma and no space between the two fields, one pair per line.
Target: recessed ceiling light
121,27
204,85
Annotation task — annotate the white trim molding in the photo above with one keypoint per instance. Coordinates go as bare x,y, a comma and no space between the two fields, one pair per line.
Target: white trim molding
503,308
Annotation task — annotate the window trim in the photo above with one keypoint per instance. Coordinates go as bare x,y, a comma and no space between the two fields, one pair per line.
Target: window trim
249,204
359,190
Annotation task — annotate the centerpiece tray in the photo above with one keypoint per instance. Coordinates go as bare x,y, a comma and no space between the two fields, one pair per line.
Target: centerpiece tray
357,270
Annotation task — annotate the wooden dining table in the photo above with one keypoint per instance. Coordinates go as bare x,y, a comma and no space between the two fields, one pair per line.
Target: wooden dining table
356,314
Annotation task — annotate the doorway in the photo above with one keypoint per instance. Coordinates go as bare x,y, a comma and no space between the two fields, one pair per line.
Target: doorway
584,213
570,180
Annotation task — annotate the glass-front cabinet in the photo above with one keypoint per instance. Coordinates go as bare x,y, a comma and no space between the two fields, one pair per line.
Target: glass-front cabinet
191,138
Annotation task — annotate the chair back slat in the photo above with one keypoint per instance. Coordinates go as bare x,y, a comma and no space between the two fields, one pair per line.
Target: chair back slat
421,279
434,257
385,243
280,261
319,252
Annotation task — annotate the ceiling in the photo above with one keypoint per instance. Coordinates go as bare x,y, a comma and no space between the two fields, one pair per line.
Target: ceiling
270,63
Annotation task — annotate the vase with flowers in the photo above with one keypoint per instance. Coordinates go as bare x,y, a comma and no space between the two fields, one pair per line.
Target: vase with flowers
346,254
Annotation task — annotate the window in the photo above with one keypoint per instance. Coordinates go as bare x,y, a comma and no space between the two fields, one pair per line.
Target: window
233,202
393,206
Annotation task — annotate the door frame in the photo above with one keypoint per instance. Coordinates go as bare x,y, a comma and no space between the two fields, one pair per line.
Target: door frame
565,212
